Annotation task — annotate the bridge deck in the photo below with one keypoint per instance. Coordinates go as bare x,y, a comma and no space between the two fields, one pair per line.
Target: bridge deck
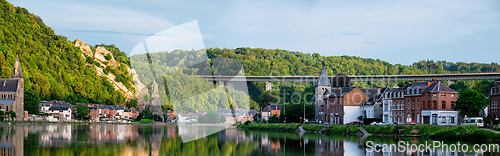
354,78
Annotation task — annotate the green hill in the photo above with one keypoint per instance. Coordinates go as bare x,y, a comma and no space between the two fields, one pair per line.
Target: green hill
53,67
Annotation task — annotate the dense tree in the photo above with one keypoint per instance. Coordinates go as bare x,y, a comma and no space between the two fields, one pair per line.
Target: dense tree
132,103
12,115
82,111
212,117
31,101
223,119
2,115
202,119
471,103
267,98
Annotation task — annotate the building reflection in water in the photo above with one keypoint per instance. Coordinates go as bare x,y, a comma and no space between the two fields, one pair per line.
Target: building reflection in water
97,139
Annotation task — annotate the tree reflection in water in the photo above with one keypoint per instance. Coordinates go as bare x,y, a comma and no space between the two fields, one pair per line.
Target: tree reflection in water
112,139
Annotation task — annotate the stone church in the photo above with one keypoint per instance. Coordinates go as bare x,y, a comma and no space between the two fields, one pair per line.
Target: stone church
12,92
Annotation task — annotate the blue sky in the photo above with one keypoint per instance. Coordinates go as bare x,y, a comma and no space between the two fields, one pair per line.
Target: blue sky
395,31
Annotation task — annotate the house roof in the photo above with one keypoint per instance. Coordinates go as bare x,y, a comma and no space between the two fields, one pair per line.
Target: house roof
272,107
438,87
6,101
418,85
59,108
340,92
323,78
8,85
327,91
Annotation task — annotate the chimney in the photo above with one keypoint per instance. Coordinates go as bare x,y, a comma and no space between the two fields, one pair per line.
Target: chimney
434,80
428,83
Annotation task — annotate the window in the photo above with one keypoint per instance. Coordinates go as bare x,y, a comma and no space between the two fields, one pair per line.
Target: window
452,95
443,105
425,105
452,104
452,119
434,103
443,95
434,94
443,119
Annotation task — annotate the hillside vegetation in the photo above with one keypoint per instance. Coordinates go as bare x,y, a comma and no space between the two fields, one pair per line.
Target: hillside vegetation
53,67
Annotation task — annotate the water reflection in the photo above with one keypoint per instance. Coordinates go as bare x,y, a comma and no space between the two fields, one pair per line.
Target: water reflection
109,139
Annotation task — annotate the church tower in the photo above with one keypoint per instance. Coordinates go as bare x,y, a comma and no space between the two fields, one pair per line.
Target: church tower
18,104
322,89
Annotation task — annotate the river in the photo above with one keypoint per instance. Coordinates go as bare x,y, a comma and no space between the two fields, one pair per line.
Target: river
123,139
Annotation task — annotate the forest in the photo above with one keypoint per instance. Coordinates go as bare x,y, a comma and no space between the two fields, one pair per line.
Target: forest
53,67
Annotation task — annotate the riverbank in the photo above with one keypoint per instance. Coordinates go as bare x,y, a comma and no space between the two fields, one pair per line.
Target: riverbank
291,127
424,131
433,131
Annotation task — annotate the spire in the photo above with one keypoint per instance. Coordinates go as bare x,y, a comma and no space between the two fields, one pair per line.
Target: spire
17,72
323,78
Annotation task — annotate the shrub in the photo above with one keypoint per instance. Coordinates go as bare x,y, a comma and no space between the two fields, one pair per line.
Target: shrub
146,120
342,128
312,127
247,122
283,127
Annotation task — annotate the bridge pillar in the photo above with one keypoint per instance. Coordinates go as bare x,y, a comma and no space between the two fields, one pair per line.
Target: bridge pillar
222,83
450,82
268,85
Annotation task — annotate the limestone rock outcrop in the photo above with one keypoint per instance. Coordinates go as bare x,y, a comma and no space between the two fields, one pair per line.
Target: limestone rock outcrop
99,56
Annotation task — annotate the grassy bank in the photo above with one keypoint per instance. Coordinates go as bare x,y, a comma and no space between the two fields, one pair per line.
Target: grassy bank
313,127
342,129
458,132
276,127
466,132
424,130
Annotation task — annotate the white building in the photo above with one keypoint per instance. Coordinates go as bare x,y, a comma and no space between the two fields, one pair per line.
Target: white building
387,105
63,112
441,117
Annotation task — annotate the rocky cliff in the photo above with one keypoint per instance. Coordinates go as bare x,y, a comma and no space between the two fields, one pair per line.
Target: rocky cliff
100,56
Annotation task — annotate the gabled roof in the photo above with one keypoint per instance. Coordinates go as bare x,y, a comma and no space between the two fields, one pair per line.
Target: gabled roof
418,85
327,91
323,78
59,108
272,107
340,92
438,87
6,101
8,85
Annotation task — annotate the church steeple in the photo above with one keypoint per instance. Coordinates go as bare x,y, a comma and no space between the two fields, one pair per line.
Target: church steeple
323,78
17,72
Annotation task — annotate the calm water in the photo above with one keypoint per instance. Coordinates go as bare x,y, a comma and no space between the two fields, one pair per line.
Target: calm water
107,139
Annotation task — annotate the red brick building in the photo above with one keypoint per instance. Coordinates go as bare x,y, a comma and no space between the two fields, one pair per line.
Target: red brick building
493,107
342,101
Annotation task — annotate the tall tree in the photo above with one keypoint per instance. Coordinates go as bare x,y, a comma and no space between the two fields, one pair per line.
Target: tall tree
82,111
268,97
471,103
31,101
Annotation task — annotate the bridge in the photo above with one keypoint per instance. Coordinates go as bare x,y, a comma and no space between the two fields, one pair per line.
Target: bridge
222,80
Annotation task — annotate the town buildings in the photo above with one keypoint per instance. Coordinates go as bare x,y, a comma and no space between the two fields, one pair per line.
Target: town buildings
416,103
493,107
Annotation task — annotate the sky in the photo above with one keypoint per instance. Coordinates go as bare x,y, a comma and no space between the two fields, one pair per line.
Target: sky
399,32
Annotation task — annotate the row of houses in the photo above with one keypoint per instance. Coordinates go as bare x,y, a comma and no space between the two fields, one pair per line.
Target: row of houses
429,102
64,111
